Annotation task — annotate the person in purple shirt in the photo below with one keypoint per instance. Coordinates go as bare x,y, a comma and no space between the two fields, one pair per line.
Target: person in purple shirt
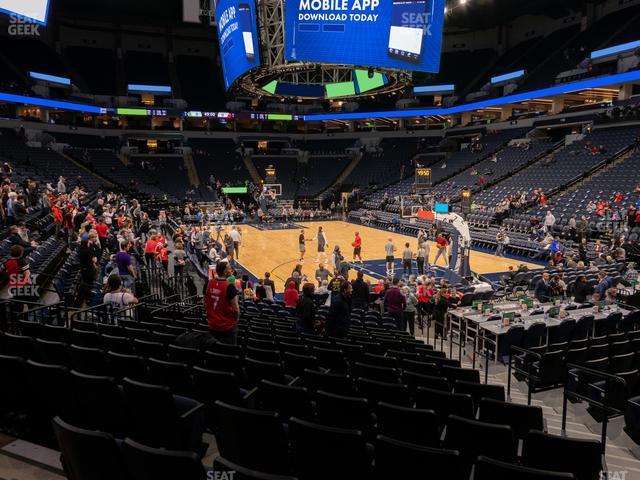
125,266
395,303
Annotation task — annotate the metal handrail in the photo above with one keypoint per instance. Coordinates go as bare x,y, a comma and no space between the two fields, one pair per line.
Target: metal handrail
604,405
527,373
461,335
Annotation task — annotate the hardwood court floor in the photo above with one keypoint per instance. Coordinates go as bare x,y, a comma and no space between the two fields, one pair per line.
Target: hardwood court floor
276,251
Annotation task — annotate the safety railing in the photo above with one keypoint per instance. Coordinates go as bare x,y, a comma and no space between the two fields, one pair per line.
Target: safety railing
604,405
528,357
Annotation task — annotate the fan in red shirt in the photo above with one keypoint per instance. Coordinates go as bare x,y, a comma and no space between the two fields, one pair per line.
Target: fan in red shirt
379,287
58,218
16,270
103,231
291,295
163,256
150,249
221,304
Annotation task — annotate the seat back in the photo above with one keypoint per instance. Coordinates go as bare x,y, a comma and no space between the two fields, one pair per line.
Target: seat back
535,335
556,453
411,425
15,394
463,434
252,438
397,459
454,374
434,382
174,375
82,450
154,414
479,391
101,404
131,366
147,463
337,383
288,401
53,383
343,411
394,393
489,469
583,328
319,451
563,332
444,403
521,418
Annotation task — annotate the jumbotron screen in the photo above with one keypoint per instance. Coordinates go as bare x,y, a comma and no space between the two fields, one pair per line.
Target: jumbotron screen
35,10
238,38
403,34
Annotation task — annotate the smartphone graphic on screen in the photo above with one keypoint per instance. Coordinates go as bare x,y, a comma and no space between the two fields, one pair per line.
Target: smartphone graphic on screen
408,24
247,30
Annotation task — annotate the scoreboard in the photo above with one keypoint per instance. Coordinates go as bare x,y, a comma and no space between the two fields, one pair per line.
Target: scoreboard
423,178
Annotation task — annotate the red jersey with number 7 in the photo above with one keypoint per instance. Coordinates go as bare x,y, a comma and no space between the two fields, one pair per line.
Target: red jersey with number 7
221,315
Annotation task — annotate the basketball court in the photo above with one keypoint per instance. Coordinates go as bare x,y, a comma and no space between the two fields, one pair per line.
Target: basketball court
276,251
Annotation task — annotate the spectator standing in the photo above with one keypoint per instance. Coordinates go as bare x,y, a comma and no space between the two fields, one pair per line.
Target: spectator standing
440,308
221,304
500,238
124,263
409,314
395,303
605,282
339,316
118,297
306,309
322,274
549,221
179,259
62,186
573,227
360,295
581,290
291,295
269,283
150,249
543,289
